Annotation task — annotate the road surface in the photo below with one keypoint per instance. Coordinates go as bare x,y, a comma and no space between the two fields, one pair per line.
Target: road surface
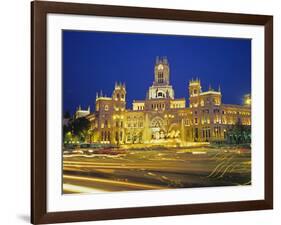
130,170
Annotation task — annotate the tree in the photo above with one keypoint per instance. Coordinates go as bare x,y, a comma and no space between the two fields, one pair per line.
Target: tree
68,138
80,127
239,134
76,130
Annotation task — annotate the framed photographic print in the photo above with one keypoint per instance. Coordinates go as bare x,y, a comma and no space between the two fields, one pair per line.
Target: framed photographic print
142,112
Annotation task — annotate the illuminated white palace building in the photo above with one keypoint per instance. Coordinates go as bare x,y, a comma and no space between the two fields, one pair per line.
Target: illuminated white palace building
163,118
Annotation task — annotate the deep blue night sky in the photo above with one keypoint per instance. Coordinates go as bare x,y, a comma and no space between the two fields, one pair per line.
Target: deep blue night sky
93,61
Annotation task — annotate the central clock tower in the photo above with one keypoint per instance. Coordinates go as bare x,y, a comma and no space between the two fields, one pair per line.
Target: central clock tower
161,72
161,87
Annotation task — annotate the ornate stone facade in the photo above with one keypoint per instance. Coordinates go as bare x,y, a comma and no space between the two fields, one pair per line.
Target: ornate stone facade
162,118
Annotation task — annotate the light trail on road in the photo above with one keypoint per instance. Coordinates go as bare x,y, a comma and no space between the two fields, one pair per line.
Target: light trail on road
154,170
71,188
130,185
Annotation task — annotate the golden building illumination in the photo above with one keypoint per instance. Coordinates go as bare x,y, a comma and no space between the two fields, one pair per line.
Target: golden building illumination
247,100
163,118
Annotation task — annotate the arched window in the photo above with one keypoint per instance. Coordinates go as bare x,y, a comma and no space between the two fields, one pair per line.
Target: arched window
160,95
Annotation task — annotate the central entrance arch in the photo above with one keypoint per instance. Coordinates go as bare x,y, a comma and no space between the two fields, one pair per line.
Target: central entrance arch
158,131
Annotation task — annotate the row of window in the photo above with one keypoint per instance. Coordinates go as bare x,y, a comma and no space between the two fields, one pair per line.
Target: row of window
105,136
176,106
217,132
206,132
119,124
161,106
160,77
140,107
207,111
218,121
239,113
135,125
129,118
158,106
202,103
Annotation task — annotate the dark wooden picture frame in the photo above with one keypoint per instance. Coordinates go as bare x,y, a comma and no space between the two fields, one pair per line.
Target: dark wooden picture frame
40,9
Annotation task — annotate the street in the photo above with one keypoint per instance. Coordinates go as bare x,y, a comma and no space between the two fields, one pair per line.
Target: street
90,171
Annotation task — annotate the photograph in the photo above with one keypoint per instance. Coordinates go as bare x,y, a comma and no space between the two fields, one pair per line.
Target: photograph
141,111
154,111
